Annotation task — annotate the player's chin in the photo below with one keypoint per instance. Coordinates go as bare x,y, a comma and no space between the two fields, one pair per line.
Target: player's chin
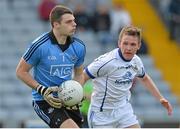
71,33
128,56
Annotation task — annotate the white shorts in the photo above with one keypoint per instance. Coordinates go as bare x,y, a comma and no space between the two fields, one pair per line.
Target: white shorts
117,118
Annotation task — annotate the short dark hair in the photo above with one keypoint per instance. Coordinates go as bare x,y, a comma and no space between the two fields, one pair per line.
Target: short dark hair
132,31
57,12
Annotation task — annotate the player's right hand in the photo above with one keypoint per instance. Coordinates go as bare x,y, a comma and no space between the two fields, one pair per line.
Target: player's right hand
46,92
167,105
75,107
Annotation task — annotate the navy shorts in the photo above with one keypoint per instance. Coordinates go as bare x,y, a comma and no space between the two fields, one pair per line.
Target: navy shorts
54,117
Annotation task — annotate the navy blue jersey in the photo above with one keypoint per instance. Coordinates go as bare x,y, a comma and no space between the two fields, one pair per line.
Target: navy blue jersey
52,65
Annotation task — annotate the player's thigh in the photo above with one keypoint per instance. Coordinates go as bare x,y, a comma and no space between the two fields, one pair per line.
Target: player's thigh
69,123
52,116
76,116
103,126
98,119
127,118
134,126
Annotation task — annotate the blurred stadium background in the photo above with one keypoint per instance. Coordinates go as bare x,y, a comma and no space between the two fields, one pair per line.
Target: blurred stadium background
20,24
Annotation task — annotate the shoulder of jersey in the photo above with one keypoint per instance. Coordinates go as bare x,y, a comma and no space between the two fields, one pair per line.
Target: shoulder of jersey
41,39
136,57
110,56
78,41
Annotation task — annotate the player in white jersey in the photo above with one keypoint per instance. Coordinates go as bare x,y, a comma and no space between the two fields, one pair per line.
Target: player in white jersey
112,75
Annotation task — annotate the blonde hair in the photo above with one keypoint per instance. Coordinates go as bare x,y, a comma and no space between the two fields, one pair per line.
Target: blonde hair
132,31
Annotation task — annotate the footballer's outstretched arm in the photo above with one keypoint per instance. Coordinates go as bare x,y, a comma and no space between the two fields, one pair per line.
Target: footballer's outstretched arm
150,85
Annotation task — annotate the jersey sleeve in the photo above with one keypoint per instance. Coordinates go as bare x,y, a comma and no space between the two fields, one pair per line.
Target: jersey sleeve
80,50
99,67
140,69
32,54
82,54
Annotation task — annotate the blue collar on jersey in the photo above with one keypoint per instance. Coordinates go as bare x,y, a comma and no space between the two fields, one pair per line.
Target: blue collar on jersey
120,54
54,41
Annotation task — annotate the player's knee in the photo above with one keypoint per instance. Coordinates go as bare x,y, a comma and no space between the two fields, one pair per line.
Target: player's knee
69,123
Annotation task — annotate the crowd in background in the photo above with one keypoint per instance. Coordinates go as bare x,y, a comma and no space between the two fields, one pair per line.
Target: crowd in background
169,11
105,19
102,17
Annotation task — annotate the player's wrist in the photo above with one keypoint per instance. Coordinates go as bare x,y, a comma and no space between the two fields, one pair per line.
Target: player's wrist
163,100
41,89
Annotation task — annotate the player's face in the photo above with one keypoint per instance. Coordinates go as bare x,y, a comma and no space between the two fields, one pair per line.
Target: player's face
67,26
129,46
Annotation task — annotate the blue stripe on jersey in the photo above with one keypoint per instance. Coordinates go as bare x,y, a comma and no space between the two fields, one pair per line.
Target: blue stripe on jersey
103,66
35,43
41,113
101,108
43,39
89,74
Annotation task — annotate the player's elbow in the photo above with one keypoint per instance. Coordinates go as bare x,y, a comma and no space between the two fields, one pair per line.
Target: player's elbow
85,77
18,72
22,69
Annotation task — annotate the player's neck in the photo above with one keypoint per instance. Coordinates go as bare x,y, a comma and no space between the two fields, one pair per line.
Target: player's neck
59,37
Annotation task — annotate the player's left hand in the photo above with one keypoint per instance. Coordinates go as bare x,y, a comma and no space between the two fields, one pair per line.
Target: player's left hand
167,105
75,107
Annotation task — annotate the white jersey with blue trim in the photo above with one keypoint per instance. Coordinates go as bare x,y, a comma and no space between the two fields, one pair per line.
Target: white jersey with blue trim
112,79
52,65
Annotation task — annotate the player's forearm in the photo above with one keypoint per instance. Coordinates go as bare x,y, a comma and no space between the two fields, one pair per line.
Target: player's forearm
27,79
22,72
79,78
78,75
150,85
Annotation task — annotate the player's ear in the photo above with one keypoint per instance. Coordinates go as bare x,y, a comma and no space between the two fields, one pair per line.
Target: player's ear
119,43
139,45
55,24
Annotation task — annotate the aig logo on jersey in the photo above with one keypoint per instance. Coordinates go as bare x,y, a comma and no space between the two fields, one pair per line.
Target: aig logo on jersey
62,71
